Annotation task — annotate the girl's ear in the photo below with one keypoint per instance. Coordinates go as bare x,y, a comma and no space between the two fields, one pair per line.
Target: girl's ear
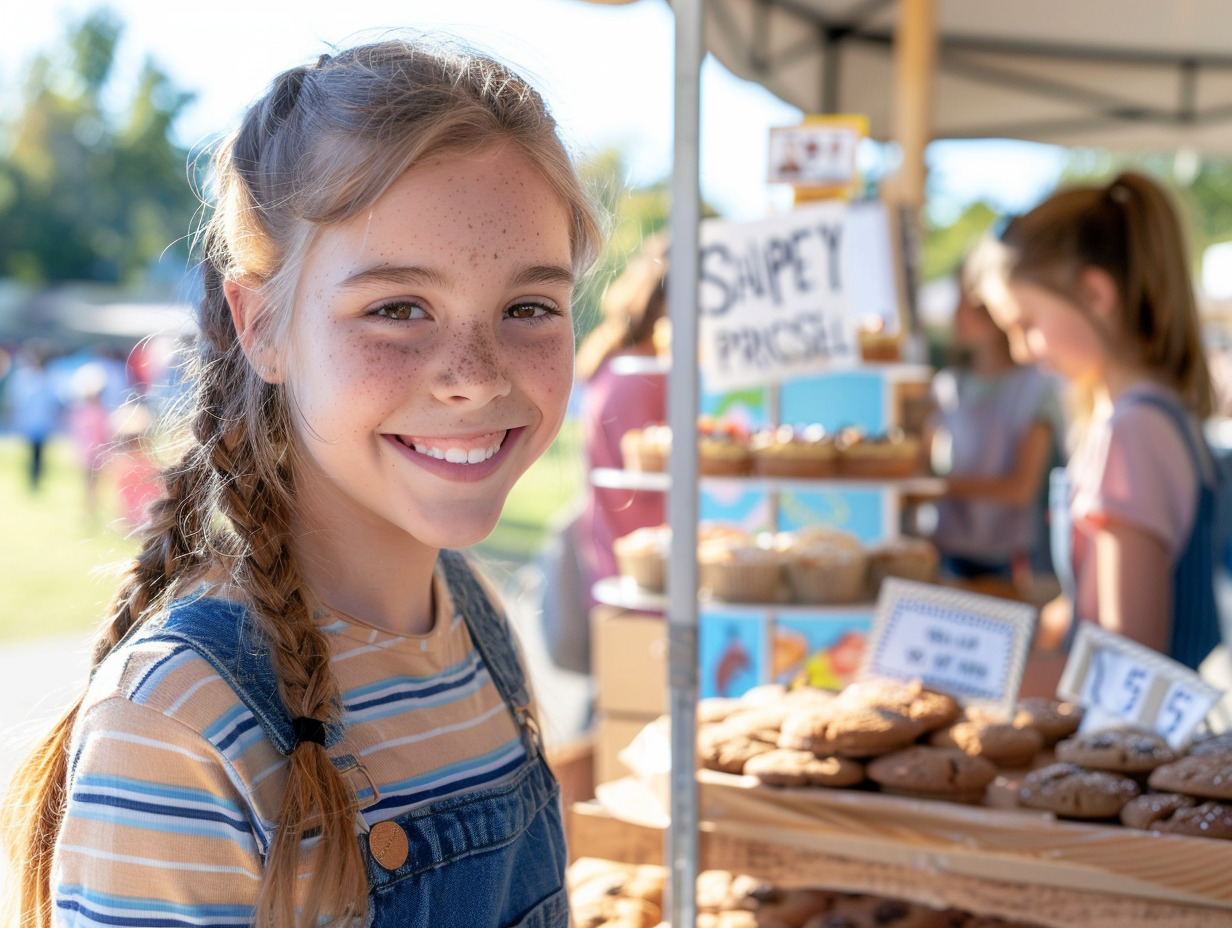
1099,295
245,305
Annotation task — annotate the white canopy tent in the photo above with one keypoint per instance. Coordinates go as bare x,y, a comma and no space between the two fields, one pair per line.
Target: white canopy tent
1124,74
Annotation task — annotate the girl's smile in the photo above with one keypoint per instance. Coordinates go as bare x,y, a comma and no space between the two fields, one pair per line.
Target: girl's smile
462,460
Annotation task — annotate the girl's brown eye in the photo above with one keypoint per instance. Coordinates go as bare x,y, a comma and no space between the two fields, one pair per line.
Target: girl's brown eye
399,311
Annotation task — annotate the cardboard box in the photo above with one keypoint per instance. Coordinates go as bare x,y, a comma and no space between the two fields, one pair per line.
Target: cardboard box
629,657
613,734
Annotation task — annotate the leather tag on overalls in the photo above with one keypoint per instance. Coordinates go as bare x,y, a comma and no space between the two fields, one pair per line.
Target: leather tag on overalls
388,844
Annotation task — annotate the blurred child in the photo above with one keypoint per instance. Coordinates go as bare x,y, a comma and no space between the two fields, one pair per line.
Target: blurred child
88,424
993,432
1094,283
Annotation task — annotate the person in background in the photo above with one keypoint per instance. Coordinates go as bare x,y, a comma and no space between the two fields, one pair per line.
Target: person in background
992,435
35,407
580,552
88,424
1094,284
614,403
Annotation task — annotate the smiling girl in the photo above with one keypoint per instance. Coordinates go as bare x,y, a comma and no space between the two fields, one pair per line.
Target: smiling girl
302,706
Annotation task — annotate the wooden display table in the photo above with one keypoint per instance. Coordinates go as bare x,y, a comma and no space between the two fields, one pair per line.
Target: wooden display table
1007,862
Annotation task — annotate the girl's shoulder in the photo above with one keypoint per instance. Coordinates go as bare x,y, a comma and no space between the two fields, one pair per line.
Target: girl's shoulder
153,674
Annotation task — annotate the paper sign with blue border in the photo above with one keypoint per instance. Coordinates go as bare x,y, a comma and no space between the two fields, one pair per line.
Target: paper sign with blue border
969,645
1120,682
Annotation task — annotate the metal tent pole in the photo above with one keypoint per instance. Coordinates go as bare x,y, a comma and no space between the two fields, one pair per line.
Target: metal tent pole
682,501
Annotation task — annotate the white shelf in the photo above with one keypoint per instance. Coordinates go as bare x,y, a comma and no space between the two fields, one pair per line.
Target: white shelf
615,479
623,592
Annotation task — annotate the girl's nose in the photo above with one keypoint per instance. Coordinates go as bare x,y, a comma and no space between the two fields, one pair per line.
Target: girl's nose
473,370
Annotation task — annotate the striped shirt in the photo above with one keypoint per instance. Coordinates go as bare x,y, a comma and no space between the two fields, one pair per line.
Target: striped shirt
172,773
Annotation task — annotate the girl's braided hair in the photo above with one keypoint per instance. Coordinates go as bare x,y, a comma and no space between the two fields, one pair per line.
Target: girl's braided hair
323,144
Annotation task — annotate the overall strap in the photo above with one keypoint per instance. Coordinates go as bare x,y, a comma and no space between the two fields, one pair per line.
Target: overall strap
490,633
1195,612
1200,455
224,634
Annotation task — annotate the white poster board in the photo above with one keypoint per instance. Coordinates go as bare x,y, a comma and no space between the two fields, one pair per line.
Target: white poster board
969,645
774,297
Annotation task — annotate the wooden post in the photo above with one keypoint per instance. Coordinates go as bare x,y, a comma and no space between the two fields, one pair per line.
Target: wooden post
915,54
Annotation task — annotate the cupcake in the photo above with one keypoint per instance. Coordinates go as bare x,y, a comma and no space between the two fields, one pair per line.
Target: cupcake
739,570
722,449
646,449
790,452
878,457
909,558
642,556
825,572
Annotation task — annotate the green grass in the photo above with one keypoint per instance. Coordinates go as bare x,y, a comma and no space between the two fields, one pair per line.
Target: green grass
50,553
545,494
52,557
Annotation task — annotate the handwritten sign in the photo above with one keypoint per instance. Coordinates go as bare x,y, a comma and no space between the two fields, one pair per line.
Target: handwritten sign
773,297
1119,681
971,646
819,155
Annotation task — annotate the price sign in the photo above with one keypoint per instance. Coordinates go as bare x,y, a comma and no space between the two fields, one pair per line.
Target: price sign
1119,681
966,644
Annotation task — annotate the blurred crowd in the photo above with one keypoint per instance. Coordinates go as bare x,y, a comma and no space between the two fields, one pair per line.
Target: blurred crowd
106,402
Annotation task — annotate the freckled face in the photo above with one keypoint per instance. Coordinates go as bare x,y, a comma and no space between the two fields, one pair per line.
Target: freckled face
432,351
1045,327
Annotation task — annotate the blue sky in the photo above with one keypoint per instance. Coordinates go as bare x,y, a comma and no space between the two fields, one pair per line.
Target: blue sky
605,70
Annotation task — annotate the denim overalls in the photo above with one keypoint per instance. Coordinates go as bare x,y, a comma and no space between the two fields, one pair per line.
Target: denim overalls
1195,611
493,857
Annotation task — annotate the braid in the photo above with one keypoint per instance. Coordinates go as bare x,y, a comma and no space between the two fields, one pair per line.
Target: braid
256,497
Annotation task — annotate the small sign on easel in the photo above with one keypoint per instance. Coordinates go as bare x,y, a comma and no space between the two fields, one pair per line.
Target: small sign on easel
969,645
1119,682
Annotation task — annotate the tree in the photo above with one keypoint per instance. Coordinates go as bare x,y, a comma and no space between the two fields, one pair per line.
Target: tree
85,193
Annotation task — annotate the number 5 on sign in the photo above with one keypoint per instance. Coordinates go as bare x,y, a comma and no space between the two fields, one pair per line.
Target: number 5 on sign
1120,681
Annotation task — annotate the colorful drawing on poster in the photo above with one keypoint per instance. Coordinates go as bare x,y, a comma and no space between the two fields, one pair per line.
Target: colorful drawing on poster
746,407
731,652
733,505
836,401
856,511
823,650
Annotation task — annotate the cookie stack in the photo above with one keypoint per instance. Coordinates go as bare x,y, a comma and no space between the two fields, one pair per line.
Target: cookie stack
899,736
1135,777
1191,795
612,895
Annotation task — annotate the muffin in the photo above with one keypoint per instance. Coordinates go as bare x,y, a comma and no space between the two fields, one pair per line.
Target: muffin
722,449
790,452
878,457
646,449
907,557
739,571
642,556
827,572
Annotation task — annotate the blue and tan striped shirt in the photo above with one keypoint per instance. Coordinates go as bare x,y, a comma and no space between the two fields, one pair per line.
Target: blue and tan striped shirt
173,773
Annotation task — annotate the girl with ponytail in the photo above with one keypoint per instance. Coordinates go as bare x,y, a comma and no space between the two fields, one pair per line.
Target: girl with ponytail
1094,284
305,708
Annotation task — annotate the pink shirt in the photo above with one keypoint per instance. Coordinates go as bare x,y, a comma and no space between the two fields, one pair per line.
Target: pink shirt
1134,467
611,405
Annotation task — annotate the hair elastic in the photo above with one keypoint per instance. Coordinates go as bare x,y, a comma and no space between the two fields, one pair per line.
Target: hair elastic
307,729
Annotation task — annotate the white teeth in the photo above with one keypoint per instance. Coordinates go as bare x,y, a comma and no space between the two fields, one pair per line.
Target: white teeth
459,455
